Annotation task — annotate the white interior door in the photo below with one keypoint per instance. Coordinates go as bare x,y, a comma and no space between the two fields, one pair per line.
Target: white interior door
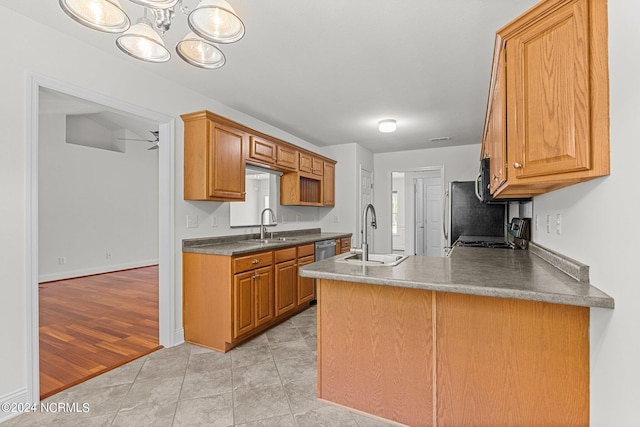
428,220
433,220
366,197
420,216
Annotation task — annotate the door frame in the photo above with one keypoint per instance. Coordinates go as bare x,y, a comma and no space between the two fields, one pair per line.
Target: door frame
166,181
410,245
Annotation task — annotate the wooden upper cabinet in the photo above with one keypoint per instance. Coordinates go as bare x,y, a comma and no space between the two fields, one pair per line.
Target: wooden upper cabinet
287,157
262,150
317,166
214,160
556,107
216,151
328,184
494,141
306,163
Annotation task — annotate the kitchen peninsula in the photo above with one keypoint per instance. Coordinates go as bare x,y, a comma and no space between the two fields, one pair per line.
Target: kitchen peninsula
483,337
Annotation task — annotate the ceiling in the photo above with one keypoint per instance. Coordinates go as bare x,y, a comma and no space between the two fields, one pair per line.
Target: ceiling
328,71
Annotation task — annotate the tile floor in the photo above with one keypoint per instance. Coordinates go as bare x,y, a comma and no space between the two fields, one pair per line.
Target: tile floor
268,381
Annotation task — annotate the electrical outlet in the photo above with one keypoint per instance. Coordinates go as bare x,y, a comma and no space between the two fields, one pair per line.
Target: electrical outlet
108,254
559,224
284,219
192,221
62,260
297,218
537,222
548,224
336,218
214,220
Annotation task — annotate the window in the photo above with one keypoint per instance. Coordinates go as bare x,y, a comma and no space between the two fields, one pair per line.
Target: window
394,212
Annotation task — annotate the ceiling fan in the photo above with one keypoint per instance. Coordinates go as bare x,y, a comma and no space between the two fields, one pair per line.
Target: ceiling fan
156,139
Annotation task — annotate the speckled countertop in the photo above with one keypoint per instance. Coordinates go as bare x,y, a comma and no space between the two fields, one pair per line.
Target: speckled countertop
242,244
477,271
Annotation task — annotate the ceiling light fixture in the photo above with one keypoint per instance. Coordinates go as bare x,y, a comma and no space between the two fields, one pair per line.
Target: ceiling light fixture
387,126
211,22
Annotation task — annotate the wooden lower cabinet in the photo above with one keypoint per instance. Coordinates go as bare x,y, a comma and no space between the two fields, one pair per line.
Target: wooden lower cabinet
306,285
425,358
253,300
286,275
227,300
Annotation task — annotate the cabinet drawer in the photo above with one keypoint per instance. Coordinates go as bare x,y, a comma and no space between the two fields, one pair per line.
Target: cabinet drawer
250,262
345,244
306,250
284,255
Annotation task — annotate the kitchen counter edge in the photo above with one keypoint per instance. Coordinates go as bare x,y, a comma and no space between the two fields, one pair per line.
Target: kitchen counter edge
473,271
242,245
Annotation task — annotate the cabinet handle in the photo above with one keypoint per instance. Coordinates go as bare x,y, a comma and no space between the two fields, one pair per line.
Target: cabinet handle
517,165
496,177
255,261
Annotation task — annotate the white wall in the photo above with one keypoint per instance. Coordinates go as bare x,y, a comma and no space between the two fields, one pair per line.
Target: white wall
598,229
46,52
460,164
84,210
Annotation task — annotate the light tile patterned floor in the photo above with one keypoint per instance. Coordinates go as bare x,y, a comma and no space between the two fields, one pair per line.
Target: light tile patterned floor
268,381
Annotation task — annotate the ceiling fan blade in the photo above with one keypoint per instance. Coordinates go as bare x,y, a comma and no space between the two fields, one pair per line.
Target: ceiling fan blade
133,139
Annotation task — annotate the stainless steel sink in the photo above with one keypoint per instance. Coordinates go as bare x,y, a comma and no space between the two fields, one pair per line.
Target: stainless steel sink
274,240
382,260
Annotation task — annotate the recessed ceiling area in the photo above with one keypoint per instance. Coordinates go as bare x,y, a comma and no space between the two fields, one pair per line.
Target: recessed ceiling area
93,125
328,72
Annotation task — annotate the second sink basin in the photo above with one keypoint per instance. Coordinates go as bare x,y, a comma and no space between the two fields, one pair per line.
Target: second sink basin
274,240
386,260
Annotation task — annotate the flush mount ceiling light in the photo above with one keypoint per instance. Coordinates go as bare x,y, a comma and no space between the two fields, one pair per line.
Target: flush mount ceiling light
212,21
387,126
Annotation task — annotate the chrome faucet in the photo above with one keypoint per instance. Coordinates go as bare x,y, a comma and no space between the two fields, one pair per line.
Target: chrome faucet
263,228
365,245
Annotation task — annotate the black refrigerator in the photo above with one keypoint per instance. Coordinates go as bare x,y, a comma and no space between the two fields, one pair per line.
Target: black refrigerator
470,217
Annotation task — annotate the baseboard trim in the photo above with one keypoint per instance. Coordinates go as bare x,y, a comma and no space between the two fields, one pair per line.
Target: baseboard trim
94,270
17,397
178,336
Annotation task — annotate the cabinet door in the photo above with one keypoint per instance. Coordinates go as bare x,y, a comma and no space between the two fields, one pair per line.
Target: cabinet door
243,303
286,286
328,184
306,288
317,166
264,295
548,89
262,150
306,163
226,164
495,143
287,157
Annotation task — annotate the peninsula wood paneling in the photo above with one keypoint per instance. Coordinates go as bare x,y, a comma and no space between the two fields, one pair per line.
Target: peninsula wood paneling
508,362
376,350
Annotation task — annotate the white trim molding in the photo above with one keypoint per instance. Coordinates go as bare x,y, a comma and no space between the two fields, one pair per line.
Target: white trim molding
166,206
11,400
71,274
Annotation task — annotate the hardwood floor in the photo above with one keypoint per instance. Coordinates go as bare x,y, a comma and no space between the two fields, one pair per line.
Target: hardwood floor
90,325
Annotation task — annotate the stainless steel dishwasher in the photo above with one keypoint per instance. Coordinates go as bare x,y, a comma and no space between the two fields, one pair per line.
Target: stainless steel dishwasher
324,249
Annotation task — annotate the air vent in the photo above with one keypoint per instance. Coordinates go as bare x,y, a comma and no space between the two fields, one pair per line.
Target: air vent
441,138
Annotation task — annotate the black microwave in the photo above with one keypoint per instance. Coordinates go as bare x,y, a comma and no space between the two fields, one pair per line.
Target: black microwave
483,183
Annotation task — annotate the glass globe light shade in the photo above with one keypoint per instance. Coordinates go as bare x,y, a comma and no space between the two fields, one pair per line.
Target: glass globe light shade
216,21
142,42
101,15
387,126
200,53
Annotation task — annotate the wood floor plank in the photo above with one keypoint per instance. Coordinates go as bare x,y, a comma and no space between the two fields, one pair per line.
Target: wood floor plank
92,324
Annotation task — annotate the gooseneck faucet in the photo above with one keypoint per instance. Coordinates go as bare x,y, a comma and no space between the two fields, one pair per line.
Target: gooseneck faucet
263,228
365,245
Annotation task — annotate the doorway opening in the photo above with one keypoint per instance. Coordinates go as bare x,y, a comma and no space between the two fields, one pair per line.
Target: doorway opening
416,211
163,233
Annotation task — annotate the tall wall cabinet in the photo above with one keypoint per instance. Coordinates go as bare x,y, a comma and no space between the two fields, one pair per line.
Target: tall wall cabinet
216,151
547,123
